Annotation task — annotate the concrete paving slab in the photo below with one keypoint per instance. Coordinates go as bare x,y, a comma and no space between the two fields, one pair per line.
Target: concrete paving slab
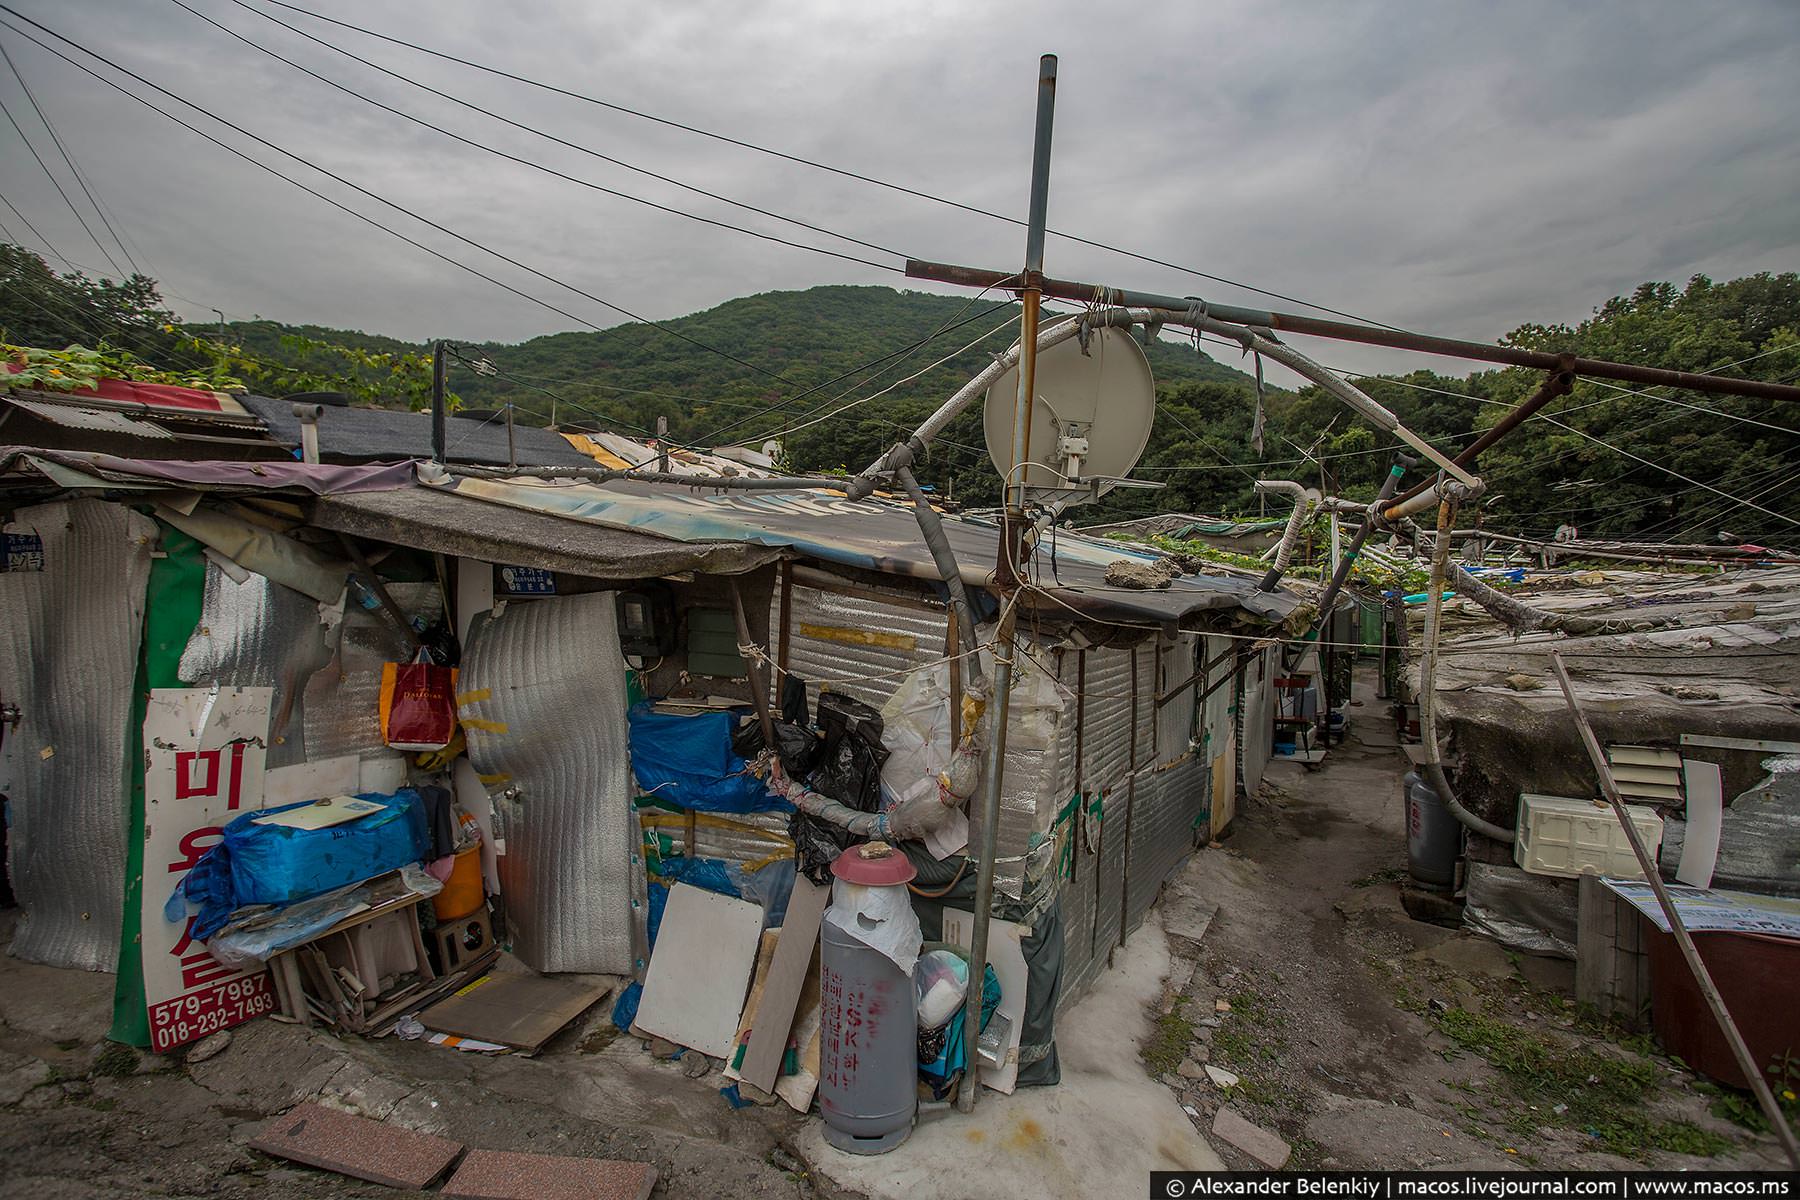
356,1146
504,1175
1098,1133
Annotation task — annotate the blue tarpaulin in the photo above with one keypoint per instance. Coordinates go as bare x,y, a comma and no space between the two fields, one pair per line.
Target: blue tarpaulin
688,761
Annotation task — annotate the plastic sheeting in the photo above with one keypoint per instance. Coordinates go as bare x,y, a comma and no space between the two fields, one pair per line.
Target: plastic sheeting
1175,720
544,712
688,761
343,698
68,658
259,634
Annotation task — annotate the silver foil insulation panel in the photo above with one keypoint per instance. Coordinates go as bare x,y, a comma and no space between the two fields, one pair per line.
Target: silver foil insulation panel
543,708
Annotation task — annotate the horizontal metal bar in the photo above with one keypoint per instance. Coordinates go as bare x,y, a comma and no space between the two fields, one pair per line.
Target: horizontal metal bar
1761,745
1085,293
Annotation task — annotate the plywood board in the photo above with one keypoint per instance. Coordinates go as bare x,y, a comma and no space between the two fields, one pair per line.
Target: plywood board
514,1008
787,976
705,952
1007,956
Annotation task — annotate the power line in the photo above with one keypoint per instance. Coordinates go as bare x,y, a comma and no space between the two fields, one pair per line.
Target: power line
54,252
67,158
813,163
363,191
607,158
536,166
55,183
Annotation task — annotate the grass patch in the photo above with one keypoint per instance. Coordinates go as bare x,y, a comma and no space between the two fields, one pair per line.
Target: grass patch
1169,1040
1385,875
115,1060
1601,1094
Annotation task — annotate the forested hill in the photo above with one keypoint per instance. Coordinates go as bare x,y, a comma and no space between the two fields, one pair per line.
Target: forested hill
813,367
769,365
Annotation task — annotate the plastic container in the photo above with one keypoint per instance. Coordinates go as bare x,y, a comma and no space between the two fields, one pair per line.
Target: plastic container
1743,967
463,892
1566,837
868,1026
1433,836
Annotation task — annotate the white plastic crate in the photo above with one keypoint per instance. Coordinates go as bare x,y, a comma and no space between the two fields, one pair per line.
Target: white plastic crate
1561,836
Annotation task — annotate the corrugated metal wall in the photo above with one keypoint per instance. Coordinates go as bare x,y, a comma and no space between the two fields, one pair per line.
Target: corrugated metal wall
1256,711
840,639
68,656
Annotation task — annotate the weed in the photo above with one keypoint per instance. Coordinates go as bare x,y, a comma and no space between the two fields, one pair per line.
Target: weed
115,1060
1385,875
1169,1041
1602,1094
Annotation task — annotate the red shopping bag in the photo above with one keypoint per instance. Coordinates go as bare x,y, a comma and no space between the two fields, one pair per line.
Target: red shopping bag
418,705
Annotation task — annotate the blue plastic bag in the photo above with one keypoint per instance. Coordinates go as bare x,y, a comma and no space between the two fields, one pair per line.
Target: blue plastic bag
688,761
276,864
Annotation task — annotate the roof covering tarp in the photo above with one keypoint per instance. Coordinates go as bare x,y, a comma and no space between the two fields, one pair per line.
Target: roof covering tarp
150,395
1068,571
446,523
383,434
74,469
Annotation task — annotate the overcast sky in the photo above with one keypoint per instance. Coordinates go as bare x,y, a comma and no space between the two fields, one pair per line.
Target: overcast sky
1458,168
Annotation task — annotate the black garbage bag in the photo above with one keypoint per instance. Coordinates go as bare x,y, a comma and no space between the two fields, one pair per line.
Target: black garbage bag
798,747
816,846
849,766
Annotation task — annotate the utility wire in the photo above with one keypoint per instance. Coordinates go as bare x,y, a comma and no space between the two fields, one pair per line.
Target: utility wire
813,163
68,160
607,158
55,183
536,166
363,191
54,252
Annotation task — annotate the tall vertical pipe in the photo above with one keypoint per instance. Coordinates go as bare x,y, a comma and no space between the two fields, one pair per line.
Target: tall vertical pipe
438,430
1006,577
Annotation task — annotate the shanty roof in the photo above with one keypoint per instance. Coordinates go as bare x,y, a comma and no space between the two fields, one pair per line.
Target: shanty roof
385,434
1068,571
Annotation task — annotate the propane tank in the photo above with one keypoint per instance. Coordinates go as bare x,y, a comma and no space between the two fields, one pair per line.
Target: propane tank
1433,837
868,1030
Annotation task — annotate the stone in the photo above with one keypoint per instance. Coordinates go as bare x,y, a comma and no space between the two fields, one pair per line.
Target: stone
356,1146
663,1048
210,1046
695,1064
20,1080
1190,1069
504,1175
1221,1077
1221,1005
1265,1147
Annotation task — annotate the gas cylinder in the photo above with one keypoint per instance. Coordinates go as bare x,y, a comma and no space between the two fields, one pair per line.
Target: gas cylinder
868,1030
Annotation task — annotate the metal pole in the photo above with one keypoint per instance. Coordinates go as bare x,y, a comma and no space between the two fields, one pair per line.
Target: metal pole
1683,940
1005,576
1558,384
512,451
438,431
1089,293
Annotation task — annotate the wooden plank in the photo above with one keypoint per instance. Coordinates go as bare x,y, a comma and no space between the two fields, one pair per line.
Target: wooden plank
787,975
515,1009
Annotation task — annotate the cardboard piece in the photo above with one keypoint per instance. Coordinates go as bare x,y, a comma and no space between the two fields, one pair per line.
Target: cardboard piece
798,1089
514,1008
321,814
786,979
1007,957
765,955
705,951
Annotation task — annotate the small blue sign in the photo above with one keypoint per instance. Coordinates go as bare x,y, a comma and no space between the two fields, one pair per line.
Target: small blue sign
527,581
24,552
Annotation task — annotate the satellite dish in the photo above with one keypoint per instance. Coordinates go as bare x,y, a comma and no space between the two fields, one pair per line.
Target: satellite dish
1090,419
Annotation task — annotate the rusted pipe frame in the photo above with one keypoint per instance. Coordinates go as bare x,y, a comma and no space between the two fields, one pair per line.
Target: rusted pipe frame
759,688
1683,940
1558,383
1088,293
1196,677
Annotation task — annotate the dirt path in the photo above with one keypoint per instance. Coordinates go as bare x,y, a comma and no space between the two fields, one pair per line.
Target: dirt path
1367,1039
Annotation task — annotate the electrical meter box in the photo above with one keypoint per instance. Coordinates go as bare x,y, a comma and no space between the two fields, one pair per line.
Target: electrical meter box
1562,836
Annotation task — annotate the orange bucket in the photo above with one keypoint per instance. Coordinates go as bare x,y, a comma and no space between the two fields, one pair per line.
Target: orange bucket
462,893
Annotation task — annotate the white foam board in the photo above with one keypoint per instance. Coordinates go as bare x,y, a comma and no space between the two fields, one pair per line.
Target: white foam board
700,971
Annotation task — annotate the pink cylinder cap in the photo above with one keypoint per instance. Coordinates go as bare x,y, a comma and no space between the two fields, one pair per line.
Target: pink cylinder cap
873,864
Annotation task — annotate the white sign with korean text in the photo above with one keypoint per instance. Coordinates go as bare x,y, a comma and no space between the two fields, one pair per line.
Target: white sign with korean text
204,750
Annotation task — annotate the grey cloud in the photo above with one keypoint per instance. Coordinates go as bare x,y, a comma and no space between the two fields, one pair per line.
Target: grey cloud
1457,167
